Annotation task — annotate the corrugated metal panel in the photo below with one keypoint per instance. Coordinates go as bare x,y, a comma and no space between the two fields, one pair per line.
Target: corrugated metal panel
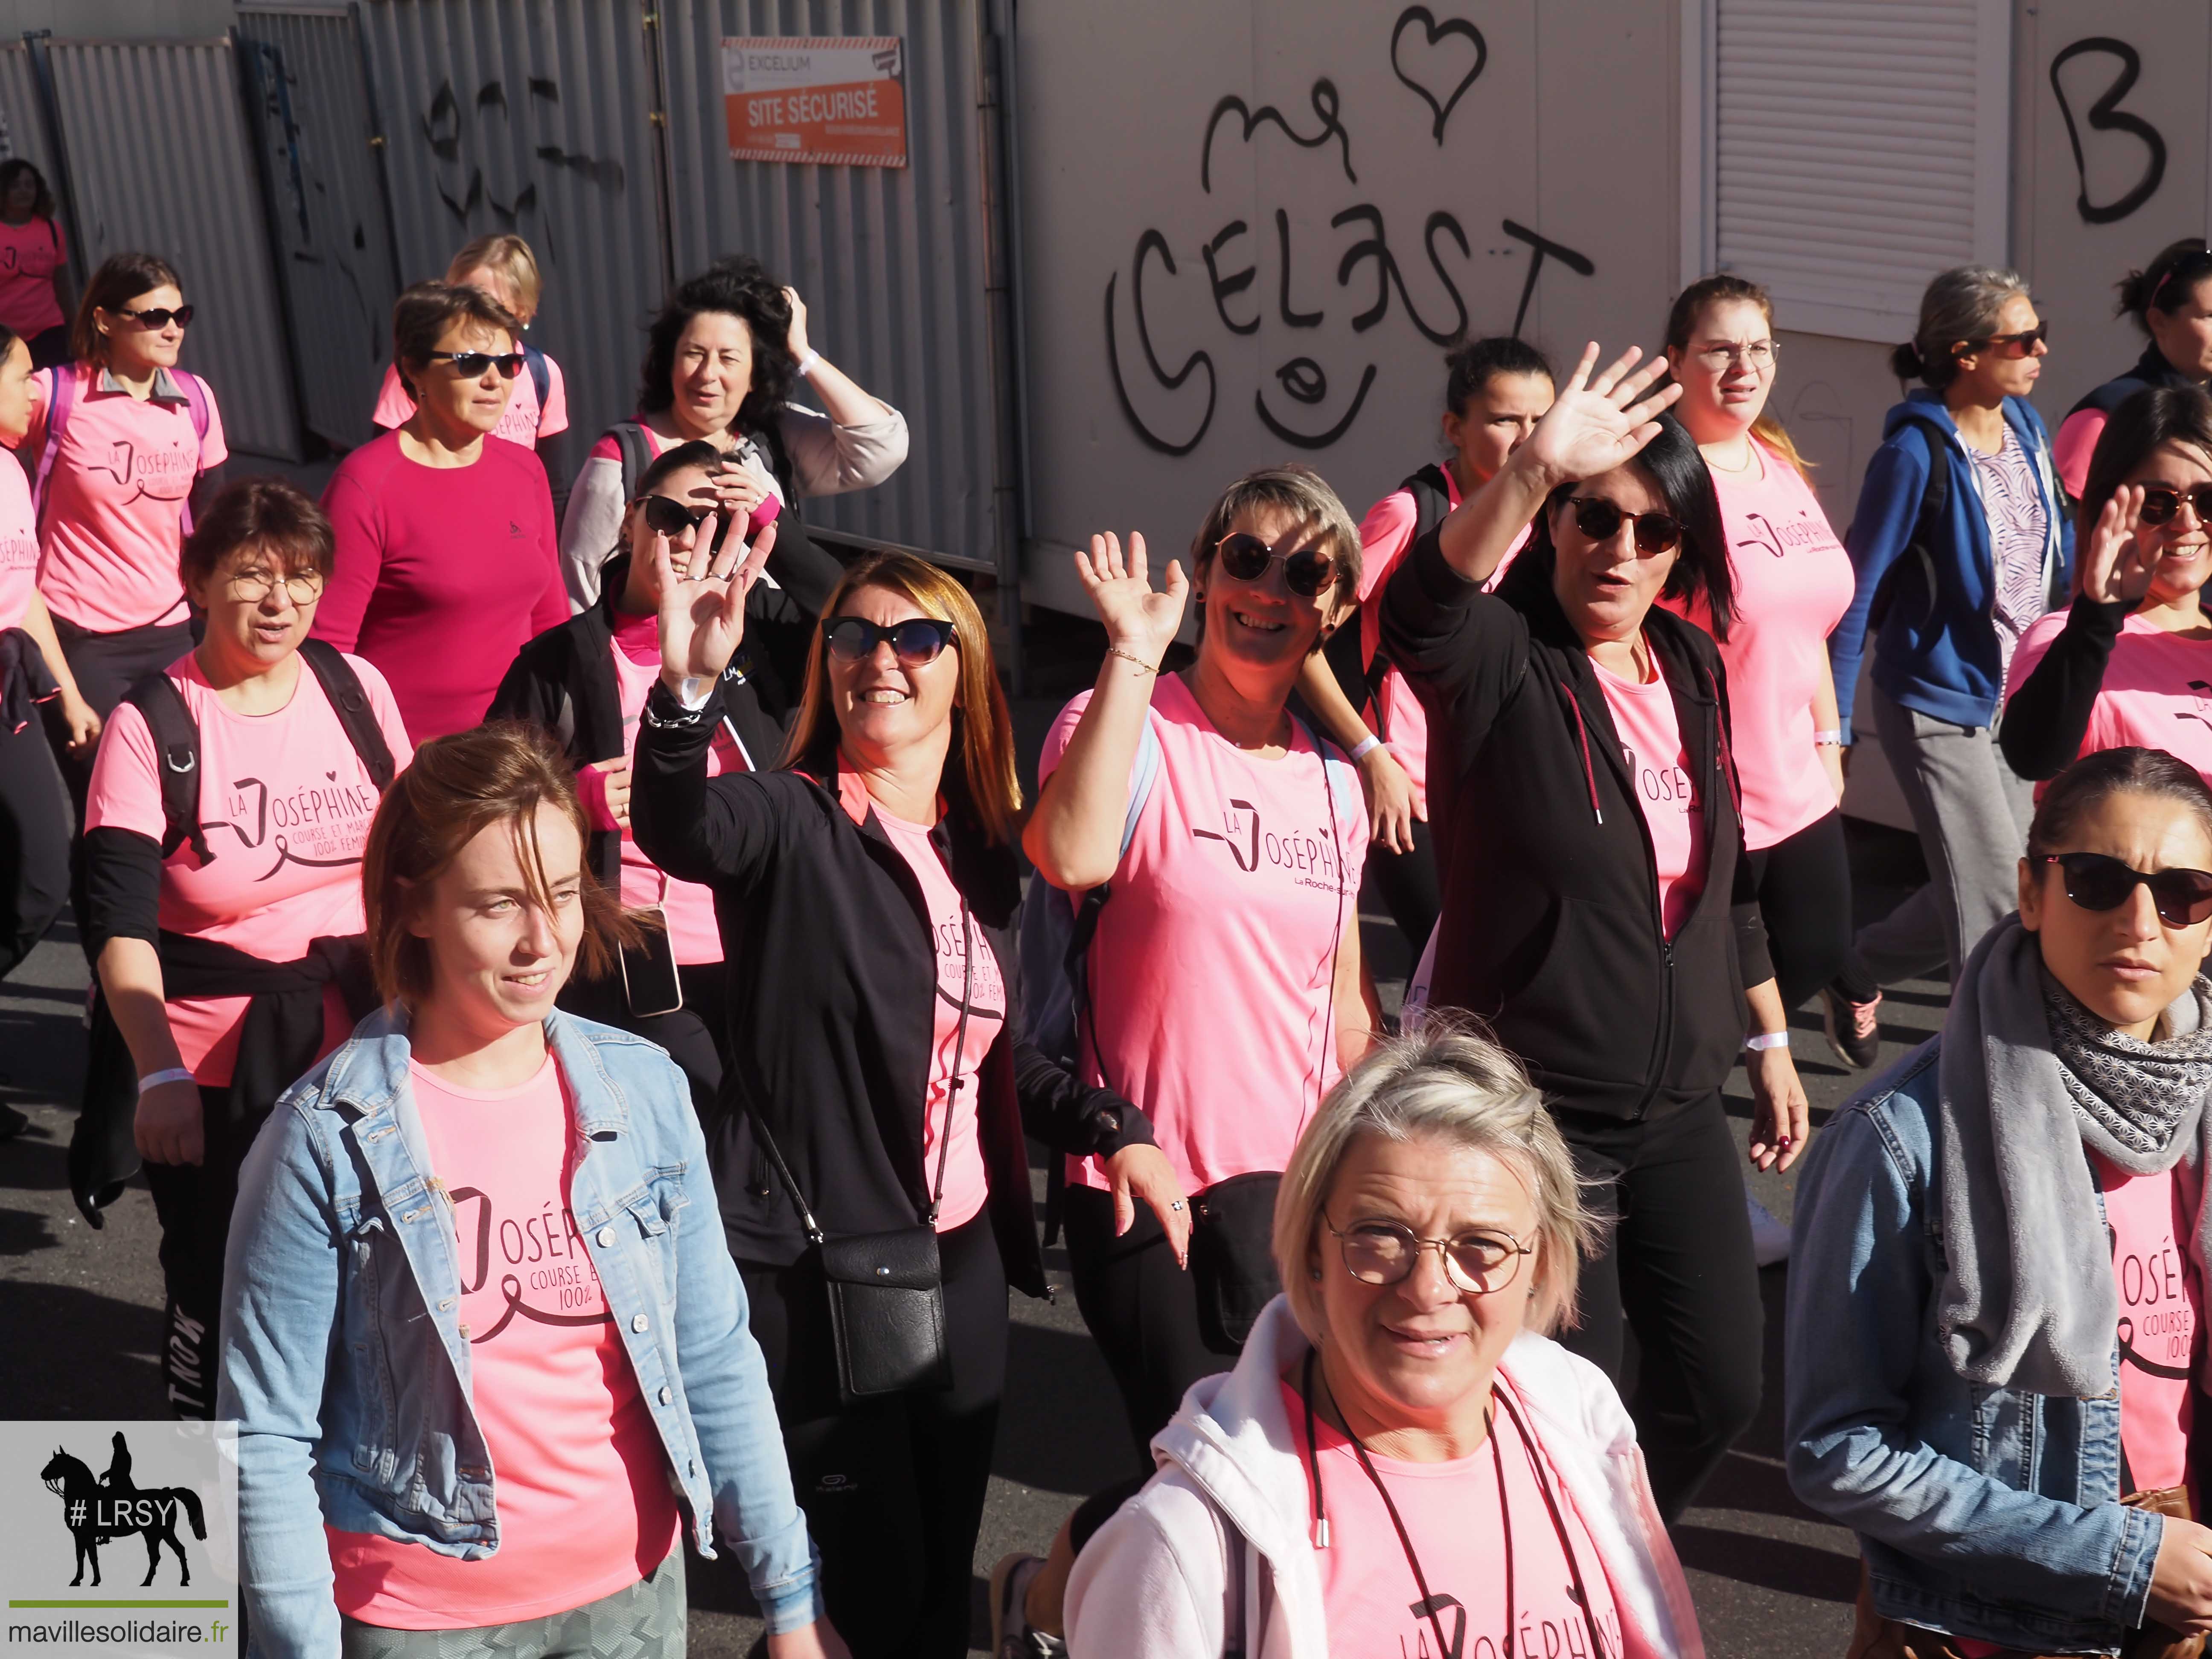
891,262
331,223
531,116
159,160
26,134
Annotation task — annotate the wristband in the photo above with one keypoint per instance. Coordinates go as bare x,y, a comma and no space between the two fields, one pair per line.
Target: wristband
806,363
1767,1040
173,1074
1366,746
1831,738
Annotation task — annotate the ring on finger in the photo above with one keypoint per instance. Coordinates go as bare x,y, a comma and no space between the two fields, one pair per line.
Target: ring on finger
1176,1205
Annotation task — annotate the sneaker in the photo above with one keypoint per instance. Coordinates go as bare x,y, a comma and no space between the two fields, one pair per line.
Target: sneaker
1854,1028
1770,1239
1012,1637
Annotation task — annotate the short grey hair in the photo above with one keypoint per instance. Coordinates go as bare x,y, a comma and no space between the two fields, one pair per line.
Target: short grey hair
1449,1082
1302,493
1961,304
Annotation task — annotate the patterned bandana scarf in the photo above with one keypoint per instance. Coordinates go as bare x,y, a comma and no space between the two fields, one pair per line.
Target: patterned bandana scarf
2138,1103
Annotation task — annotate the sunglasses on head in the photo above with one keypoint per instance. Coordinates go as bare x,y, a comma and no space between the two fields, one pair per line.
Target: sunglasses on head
1246,557
2191,268
1597,519
2096,881
916,641
2011,345
160,318
471,365
2161,504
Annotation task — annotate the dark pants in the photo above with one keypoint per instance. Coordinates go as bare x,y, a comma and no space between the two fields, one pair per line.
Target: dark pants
193,1203
1141,1308
893,1486
1678,1271
1804,900
35,826
696,1036
1409,887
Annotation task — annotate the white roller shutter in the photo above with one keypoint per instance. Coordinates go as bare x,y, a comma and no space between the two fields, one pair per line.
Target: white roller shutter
1860,147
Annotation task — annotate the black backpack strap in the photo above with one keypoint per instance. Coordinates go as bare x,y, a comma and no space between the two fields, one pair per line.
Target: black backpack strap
1235,1620
541,377
636,452
177,754
350,701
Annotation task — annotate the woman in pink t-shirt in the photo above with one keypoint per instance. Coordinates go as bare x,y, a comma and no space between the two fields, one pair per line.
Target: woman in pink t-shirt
225,923
503,267
34,264
1226,991
1495,391
2129,662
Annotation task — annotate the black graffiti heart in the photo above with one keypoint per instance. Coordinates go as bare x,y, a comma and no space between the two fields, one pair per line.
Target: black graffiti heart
1436,32
2107,116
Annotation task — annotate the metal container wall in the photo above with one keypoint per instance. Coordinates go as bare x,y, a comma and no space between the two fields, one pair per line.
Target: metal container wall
18,107
330,222
159,160
531,116
891,262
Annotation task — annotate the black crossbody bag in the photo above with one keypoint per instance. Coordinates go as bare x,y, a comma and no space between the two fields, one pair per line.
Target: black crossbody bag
887,1289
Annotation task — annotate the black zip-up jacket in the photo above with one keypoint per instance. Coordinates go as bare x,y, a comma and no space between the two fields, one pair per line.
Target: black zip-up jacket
2148,370
2045,720
833,987
1552,926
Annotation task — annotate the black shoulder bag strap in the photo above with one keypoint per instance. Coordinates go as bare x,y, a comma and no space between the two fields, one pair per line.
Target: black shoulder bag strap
350,700
177,752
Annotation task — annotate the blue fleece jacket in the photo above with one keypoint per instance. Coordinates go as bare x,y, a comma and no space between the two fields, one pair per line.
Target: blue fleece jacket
1936,650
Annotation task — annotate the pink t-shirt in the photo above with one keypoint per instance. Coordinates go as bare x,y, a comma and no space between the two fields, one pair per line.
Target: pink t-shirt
1373,1600
2075,443
30,254
19,544
523,422
1666,790
285,803
443,575
1212,970
2157,691
579,1476
1793,583
112,525
2160,1295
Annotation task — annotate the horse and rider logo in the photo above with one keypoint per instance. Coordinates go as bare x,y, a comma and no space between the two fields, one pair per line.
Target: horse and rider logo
98,1509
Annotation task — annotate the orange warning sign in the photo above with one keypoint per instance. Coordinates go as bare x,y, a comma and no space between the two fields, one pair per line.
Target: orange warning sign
837,99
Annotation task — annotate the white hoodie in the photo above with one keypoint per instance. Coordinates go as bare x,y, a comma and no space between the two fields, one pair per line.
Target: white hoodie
1152,1582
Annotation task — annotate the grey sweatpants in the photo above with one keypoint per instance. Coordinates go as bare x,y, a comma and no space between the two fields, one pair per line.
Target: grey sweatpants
1973,812
646,1621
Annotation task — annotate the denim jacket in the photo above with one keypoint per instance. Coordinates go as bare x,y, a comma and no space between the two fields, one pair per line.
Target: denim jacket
347,1369
1982,1512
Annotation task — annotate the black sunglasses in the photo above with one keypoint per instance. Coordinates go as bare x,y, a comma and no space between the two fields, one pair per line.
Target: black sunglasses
1246,557
2013,346
471,364
916,641
2096,881
160,318
670,517
2161,504
1597,519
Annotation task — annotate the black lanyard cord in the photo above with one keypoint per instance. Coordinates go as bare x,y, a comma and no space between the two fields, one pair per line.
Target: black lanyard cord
959,1053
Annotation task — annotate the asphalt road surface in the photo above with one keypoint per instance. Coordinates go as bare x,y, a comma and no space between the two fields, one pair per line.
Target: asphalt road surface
81,1312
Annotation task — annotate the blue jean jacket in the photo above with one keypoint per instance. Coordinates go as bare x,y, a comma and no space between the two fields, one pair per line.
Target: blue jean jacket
1982,1512
347,1370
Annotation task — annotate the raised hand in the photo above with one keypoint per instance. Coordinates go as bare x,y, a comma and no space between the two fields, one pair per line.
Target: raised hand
794,337
1598,421
1138,620
2124,552
703,606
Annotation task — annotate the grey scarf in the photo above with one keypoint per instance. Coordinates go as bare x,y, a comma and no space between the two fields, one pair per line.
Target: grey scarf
2027,1078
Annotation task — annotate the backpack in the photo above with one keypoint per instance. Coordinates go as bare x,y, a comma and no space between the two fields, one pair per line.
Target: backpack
541,377
1362,682
177,740
57,414
637,453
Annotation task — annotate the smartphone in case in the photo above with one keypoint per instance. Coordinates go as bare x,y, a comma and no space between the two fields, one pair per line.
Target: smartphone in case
648,969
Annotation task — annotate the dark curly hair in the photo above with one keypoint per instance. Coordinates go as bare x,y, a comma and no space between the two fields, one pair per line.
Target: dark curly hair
741,286
13,168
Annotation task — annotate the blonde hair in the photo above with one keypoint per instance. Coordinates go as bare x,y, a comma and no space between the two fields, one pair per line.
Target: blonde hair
982,731
1302,493
1449,1083
509,256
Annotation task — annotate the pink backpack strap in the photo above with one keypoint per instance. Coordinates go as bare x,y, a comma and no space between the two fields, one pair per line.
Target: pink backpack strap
57,409
195,400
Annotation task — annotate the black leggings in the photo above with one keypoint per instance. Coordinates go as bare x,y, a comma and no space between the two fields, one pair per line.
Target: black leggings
1409,887
35,822
193,1203
1678,1271
893,1486
1805,899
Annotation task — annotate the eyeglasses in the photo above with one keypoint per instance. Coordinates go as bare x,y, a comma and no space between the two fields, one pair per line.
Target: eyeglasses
670,517
2022,344
1305,572
2161,504
916,641
1385,1253
470,365
160,318
2097,882
1597,519
251,586
1759,354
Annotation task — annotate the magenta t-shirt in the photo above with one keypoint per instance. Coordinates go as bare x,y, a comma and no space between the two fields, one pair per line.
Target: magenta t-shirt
2157,690
1452,1513
524,421
19,544
1212,970
285,803
1666,789
579,1475
30,254
1793,583
2160,1293
443,575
